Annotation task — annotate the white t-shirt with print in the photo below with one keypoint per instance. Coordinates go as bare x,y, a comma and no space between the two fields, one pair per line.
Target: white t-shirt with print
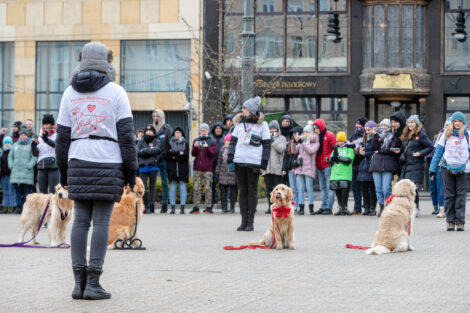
455,150
244,152
94,113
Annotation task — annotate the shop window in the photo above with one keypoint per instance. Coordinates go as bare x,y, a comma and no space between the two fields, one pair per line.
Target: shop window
395,36
155,65
7,83
55,62
290,36
458,103
456,54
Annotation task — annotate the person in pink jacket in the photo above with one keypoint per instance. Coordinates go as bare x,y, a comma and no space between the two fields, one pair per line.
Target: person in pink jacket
306,146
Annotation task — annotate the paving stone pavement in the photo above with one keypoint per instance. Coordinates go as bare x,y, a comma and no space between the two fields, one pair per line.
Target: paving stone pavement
185,269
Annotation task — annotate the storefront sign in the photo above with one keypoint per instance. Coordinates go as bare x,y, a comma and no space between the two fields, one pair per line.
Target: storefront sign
284,84
385,81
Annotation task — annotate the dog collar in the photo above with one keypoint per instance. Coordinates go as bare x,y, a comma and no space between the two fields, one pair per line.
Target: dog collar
282,211
389,199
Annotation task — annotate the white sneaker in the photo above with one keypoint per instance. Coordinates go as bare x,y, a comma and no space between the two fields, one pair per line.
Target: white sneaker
418,213
442,213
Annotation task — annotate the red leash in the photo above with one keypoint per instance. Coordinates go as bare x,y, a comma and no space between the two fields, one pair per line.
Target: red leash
389,199
280,212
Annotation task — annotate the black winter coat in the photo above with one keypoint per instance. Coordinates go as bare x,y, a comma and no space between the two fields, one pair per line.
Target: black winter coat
218,139
385,160
149,155
413,168
97,181
4,169
356,139
164,137
178,165
364,175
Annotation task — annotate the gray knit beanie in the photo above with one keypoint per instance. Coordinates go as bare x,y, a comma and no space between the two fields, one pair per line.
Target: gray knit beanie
308,129
274,124
386,122
204,126
94,56
414,118
252,104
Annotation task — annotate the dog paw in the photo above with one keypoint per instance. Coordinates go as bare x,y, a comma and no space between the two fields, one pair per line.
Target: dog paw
291,248
279,247
411,248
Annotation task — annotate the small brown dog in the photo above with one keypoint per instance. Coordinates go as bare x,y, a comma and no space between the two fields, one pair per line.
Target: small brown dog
282,229
57,218
397,220
123,220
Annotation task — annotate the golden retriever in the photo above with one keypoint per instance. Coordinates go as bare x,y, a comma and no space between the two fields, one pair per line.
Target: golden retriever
282,229
123,219
58,216
394,234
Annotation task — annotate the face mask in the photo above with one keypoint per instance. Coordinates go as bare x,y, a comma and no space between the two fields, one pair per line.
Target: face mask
359,128
6,148
148,138
23,141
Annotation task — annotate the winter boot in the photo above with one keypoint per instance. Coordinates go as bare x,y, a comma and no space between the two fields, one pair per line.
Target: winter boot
366,211
93,289
268,211
327,212
4,210
301,209
244,215
224,209
450,226
310,208
357,212
147,210
208,210
164,209
18,210
346,212
319,212
372,212
232,209
339,212
152,208
80,275
436,210
181,209
11,209
172,209
195,210
460,227
442,213
382,207
418,212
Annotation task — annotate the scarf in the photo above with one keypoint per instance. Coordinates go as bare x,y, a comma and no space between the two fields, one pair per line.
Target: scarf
178,144
322,134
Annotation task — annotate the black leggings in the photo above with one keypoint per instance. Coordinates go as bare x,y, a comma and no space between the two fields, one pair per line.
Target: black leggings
271,182
47,180
342,195
368,195
247,181
100,213
149,196
230,192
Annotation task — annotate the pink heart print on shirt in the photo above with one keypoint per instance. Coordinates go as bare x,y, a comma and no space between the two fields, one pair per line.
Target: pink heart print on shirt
457,142
91,107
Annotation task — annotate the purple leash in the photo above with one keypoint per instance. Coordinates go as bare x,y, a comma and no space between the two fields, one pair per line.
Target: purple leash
24,244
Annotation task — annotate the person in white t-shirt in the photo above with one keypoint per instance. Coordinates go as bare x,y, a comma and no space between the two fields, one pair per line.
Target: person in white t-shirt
96,156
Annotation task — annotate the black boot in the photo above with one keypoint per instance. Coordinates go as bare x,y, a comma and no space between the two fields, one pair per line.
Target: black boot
164,209
268,211
181,209
340,212
152,208
93,289
301,209
319,212
372,212
310,208
327,212
346,212
224,208
366,211
383,206
79,274
436,210
18,210
232,209
251,219
172,209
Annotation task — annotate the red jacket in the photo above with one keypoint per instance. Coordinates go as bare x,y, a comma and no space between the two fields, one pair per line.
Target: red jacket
327,141
204,157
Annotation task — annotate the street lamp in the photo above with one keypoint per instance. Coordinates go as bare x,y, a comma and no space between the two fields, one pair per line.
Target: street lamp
333,34
460,33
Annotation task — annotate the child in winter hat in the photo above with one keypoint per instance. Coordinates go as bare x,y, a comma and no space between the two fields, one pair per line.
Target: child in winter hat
341,137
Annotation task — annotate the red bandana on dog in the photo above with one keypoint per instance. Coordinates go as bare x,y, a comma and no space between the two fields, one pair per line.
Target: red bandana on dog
282,211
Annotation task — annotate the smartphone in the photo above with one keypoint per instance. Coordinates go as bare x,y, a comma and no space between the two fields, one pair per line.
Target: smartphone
394,149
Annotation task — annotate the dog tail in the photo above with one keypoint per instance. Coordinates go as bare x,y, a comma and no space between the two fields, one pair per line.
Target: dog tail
377,250
256,243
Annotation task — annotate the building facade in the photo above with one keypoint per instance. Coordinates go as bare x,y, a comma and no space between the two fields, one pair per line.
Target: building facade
393,55
155,43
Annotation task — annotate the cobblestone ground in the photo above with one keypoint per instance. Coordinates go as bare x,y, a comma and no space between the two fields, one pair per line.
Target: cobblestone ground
185,269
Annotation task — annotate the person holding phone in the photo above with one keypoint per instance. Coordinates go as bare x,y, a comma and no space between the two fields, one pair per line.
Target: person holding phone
384,164
97,158
48,174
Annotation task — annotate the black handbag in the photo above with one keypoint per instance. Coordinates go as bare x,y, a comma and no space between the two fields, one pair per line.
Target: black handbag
402,159
255,141
299,162
338,184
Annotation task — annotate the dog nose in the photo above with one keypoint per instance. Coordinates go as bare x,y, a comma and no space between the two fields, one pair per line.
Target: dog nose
278,195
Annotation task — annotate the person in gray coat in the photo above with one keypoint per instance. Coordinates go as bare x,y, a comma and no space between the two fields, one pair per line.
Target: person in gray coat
273,174
225,178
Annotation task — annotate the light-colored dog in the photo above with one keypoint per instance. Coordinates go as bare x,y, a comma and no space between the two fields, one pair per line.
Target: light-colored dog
396,222
58,216
282,229
123,220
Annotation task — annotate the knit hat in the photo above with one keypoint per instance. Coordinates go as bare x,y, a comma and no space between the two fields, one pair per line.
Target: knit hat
458,116
308,129
414,118
48,119
386,121
150,127
17,124
252,104
362,121
228,137
7,139
370,124
23,131
274,124
204,126
94,56
341,137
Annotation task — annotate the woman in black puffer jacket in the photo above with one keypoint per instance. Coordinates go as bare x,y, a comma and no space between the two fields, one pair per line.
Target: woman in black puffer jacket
177,167
96,157
415,146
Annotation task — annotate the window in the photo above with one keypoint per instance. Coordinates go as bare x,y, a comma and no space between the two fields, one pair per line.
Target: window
394,36
155,65
458,103
290,36
55,62
456,54
7,83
